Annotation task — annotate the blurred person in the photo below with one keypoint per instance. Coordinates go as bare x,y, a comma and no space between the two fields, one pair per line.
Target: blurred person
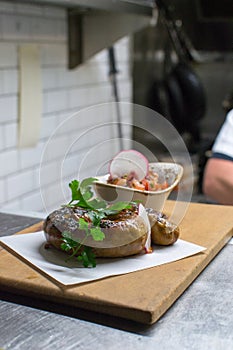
218,173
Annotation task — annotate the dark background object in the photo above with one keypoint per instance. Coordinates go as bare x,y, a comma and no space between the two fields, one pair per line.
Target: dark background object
212,65
113,77
187,99
184,93
215,10
210,44
207,24
175,101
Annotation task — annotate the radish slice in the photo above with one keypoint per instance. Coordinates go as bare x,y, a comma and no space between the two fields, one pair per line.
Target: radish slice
129,161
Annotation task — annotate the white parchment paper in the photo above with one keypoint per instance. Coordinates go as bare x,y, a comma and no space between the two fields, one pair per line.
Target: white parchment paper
31,247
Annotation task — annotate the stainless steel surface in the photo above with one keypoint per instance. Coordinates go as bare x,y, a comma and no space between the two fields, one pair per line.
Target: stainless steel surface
9,224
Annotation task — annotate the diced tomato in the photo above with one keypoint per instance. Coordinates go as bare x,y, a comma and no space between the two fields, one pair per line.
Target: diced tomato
164,185
149,183
146,184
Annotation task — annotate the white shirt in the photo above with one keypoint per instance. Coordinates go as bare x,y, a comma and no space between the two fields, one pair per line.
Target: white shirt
224,141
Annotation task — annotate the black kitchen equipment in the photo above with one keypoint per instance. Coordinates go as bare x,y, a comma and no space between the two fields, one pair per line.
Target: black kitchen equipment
113,77
182,88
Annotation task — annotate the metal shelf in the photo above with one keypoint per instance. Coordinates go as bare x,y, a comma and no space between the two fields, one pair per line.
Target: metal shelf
96,24
139,7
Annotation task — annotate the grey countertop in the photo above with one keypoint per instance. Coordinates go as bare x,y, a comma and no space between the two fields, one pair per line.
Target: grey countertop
202,318
10,223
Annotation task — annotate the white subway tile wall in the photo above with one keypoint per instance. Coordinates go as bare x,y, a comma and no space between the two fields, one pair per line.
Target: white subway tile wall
67,144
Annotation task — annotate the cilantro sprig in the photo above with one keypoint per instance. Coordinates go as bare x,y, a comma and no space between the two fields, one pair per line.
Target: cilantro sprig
70,245
82,195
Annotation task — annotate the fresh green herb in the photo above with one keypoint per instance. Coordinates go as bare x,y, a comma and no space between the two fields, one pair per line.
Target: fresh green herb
87,257
82,196
70,245
95,231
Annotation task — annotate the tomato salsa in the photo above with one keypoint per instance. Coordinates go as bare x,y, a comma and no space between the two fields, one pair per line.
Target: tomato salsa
149,183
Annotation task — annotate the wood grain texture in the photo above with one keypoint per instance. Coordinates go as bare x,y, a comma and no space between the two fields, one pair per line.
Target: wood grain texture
142,296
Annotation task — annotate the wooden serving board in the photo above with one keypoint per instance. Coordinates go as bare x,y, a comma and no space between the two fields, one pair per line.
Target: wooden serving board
141,296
